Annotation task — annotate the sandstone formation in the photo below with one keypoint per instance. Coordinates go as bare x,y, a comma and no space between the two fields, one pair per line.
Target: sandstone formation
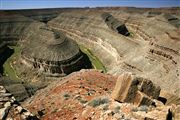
53,54
147,46
114,24
12,26
175,21
135,90
151,51
43,15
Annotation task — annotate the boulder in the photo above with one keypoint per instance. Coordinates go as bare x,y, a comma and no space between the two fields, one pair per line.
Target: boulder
135,90
142,99
2,89
10,108
125,88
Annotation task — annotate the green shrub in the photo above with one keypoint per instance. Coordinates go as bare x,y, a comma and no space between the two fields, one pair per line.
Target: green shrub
82,101
116,109
98,101
106,107
143,108
66,96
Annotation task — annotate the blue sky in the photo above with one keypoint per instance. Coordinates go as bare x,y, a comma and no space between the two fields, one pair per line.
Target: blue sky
30,4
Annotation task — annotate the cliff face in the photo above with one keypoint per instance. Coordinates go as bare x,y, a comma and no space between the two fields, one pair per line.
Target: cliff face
148,47
54,54
12,26
114,24
151,50
44,49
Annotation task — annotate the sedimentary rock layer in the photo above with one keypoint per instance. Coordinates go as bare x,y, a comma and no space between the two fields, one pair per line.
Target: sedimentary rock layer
51,51
114,24
43,48
151,51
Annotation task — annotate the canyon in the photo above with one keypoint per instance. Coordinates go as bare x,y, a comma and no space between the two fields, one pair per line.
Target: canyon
44,48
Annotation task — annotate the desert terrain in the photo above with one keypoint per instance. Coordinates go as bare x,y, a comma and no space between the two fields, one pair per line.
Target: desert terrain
108,63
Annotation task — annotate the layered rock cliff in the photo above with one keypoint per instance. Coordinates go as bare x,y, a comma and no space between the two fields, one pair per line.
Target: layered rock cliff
151,50
53,54
44,49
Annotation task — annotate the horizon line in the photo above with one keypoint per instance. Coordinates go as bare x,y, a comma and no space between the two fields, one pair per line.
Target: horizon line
140,7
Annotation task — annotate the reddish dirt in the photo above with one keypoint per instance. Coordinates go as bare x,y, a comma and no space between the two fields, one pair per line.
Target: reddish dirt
85,95
62,99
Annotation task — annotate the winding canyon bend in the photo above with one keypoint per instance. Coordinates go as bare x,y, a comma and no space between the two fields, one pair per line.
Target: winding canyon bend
145,42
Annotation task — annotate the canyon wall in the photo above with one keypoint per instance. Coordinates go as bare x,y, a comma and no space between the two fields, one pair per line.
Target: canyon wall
42,48
151,50
133,53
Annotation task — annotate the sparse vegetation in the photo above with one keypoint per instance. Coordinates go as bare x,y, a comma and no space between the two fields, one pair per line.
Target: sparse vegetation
97,64
55,110
131,34
82,101
116,109
8,69
66,96
98,101
69,107
106,107
134,110
143,108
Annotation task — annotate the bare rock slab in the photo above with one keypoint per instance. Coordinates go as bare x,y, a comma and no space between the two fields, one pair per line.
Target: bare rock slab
125,88
142,99
135,90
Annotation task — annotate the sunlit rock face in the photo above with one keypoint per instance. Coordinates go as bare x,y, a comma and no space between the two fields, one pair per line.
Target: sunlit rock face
151,51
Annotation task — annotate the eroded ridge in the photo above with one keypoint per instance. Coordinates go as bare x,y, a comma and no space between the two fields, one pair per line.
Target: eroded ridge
148,32
56,55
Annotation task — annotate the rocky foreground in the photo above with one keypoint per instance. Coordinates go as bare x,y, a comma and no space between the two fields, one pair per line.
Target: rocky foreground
87,95
93,95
